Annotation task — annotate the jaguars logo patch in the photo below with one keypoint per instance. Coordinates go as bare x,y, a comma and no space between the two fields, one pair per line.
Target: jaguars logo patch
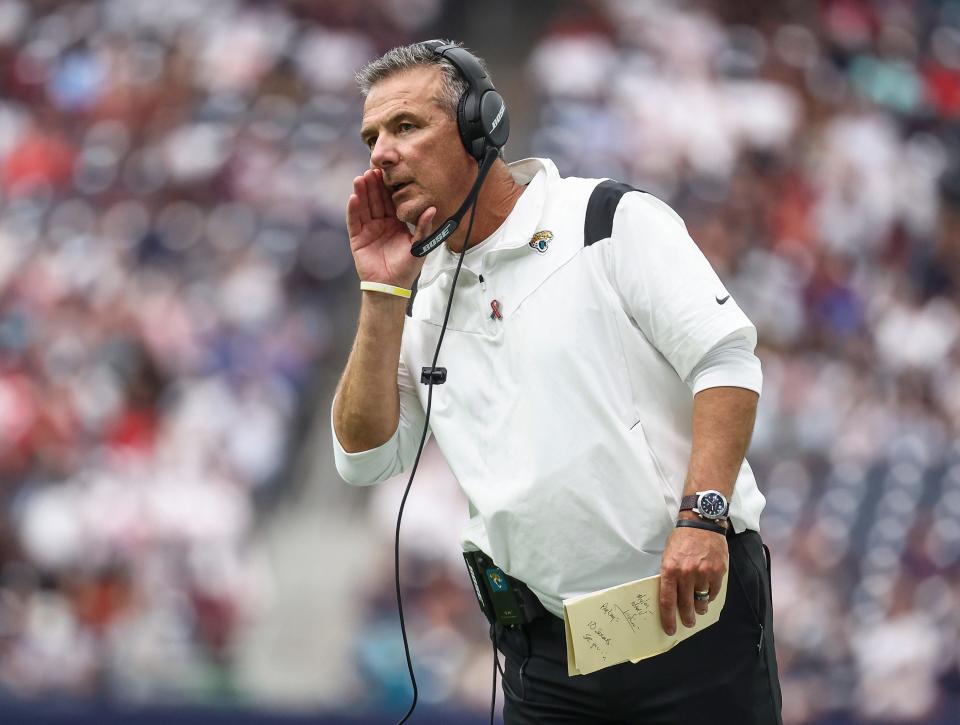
498,582
541,241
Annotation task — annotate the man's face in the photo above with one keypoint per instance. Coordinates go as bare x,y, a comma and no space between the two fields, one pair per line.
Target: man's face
416,145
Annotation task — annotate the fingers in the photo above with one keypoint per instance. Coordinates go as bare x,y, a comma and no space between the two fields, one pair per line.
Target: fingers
353,216
693,561
363,198
388,208
712,586
376,193
668,603
676,594
716,582
370,201
699,605
425,223
685,601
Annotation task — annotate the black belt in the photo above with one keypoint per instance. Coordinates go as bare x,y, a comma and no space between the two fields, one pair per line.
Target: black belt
502,598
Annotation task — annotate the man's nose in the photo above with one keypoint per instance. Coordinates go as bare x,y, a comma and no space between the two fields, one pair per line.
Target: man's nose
384,153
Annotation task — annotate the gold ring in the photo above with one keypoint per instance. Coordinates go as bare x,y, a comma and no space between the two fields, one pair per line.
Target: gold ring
701,596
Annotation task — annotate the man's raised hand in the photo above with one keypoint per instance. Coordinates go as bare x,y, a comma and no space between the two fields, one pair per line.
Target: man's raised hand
380,243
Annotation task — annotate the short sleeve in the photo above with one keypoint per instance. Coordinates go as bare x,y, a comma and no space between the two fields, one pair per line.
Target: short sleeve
666,285
729,363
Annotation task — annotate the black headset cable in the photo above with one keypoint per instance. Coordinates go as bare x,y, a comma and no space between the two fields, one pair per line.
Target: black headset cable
490,156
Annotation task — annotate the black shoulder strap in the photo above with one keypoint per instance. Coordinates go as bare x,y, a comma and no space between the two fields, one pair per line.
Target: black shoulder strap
598,223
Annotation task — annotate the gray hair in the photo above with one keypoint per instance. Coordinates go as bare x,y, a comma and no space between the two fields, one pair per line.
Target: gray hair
452,87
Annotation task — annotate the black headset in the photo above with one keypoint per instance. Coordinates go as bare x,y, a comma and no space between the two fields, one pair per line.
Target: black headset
484,127
481,114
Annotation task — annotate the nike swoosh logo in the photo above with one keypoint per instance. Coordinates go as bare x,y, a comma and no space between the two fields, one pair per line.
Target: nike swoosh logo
721,301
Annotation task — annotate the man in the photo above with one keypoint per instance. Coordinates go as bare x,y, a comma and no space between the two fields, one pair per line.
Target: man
597,379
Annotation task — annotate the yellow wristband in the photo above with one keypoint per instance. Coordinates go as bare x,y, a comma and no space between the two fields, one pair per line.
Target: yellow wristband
386,289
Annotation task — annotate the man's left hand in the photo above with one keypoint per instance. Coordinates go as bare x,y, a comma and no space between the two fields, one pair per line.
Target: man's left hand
694,560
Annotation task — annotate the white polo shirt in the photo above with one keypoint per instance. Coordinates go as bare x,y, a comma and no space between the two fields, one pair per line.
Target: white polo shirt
566,419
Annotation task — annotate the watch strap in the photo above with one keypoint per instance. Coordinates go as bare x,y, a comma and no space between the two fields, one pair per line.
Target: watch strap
699,524
690,501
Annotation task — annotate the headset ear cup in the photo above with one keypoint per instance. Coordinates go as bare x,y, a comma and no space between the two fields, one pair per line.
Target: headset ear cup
482,118
494,119
467,130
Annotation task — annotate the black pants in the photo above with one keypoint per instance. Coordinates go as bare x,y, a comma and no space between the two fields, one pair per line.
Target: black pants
724,675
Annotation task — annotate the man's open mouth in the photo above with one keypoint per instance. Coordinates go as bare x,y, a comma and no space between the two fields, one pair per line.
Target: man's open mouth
394,188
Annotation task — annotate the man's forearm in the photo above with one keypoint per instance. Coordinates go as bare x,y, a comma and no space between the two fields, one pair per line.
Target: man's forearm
367,408
723,421
694,560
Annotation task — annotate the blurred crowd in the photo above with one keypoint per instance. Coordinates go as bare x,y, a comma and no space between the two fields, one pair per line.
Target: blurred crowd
172,264
171,211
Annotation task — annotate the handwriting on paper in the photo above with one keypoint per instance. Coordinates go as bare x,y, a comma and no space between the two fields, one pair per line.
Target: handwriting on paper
623,623
639,608
595,645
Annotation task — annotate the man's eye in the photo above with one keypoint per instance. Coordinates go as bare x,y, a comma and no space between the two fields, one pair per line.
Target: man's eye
371,142
405,126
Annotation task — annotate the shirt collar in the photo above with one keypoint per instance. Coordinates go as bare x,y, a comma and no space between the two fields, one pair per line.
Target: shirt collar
517,228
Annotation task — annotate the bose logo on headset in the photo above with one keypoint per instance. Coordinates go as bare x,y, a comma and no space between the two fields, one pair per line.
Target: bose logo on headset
496,121
439,237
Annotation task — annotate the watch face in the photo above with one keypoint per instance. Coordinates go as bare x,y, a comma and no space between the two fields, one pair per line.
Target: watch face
712,505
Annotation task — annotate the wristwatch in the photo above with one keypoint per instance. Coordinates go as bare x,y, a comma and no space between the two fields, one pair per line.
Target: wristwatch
711,505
